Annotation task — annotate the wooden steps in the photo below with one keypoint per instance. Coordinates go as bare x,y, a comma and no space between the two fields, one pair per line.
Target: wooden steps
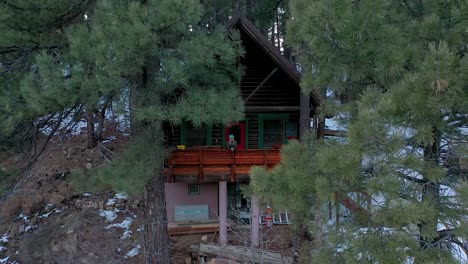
192,228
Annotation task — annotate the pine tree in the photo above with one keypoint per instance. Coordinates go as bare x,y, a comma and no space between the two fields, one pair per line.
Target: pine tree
396,73
172,67
22,39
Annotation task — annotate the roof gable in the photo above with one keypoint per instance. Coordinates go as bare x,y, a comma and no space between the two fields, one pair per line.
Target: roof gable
242,23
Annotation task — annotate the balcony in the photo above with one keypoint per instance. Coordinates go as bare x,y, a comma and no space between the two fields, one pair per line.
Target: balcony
199,165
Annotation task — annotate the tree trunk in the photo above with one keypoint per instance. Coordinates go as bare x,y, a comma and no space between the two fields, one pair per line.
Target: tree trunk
318,236
248,9
157,246
156,239
430,190
221,12
101,120
304,116
236,7
90,130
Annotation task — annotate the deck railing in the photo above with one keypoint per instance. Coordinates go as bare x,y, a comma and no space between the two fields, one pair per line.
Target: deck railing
211,165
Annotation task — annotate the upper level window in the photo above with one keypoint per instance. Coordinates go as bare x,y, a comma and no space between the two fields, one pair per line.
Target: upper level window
272,130
193,136
273,133
196,136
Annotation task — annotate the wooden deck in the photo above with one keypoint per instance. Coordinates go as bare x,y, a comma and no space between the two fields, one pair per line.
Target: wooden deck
213,165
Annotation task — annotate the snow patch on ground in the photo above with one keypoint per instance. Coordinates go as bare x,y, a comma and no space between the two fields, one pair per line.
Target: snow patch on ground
124,225
4,260
24,217
135,251
127,234
109,139
111,202
109,215
121,196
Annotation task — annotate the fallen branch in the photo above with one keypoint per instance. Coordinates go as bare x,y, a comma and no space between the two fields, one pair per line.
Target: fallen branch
243,254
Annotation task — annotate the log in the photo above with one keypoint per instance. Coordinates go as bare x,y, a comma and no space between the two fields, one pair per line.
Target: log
243,254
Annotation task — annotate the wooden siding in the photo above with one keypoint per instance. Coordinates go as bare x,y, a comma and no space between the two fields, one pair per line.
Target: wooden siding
173,134
279,90
217,134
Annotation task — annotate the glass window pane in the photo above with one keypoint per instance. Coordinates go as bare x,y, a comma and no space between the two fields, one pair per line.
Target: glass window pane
196,136
273,133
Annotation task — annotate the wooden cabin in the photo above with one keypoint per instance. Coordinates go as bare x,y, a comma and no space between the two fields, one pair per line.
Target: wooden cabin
271,92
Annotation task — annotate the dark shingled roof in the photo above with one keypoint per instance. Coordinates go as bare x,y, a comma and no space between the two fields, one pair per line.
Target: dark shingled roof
241,22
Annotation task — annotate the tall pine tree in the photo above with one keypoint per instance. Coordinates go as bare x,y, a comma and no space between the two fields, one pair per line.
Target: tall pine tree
395,72
154,53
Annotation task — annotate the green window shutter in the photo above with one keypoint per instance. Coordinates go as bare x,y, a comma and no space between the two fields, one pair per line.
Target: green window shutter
209,140
183,133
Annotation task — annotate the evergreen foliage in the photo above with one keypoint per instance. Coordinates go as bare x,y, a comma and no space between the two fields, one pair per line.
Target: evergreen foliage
396,72
103,54
82,54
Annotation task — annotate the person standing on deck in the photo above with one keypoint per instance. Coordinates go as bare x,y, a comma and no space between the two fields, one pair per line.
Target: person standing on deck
232,143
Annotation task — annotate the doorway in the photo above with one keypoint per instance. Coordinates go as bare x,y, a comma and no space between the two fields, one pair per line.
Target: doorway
238,130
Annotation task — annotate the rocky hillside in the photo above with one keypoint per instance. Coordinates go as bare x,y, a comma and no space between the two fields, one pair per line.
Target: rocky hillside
44,220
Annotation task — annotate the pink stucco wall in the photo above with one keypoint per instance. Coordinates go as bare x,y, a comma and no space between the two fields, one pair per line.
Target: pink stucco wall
177,194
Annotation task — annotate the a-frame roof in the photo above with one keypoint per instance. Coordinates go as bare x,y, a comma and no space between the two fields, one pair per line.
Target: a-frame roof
243,23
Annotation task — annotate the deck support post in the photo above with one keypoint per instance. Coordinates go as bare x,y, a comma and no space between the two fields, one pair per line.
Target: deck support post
223,213
254,223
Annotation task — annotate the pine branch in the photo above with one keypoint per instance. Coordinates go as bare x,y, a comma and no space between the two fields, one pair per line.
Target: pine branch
413,179
49,137
16,49
6,3
61,116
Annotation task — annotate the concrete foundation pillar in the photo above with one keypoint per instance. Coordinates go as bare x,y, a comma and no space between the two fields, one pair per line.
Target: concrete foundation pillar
255,213
223,212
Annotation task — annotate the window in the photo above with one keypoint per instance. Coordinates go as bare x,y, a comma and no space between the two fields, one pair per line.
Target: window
196,136
192,136
194,189
273,133
272,130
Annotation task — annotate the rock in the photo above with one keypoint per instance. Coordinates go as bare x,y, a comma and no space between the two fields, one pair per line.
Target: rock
120,206
188,260
101,205
89,159
21,229
78,204
89,165
204,238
